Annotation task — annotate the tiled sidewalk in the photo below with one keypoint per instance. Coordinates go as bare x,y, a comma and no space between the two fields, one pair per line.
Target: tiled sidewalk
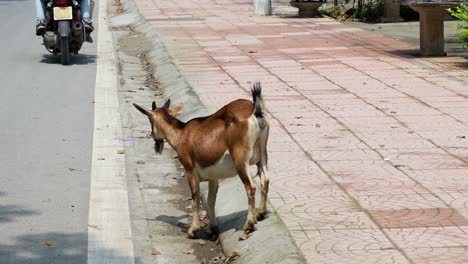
368,148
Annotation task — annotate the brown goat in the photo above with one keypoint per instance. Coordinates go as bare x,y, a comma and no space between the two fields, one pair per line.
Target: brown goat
216,147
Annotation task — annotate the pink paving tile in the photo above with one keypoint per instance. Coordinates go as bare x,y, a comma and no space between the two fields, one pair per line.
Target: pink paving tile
443,255
328,221
399,202
380,186
430,237
344,155
422,159
319,204
429,217
385,256
328,241
395,140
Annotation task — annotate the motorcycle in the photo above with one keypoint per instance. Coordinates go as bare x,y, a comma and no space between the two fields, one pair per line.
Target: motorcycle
65,31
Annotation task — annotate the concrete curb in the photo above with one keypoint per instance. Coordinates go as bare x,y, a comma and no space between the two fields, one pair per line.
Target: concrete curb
271,243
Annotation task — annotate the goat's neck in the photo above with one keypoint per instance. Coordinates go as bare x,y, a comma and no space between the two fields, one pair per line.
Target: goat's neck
171,130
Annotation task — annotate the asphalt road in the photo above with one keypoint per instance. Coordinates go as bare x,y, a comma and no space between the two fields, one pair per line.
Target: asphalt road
46,128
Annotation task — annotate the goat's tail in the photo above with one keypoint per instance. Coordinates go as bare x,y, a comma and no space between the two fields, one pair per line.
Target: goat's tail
259,108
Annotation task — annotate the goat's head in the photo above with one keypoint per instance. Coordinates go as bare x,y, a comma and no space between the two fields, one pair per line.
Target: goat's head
157,117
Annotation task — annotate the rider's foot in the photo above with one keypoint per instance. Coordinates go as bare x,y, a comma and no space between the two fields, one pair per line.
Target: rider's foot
40,28
88,37
88,25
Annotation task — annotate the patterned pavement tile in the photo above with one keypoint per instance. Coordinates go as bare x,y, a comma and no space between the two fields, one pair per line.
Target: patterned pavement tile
319,204
435,122
428,217
444,255
362,169
456,200
386,256
328,221
327,241
383,187
430,237
328,140
399,202
422,159
448,138
344,155
442,181
394,140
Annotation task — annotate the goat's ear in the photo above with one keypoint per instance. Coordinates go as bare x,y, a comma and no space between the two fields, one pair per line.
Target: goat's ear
177,109
153,105
143,110
167,104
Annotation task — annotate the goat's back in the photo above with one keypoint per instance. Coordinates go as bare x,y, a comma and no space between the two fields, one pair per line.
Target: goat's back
207,139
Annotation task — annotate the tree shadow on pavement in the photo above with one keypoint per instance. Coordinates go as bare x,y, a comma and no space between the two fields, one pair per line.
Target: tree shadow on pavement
52,247
80,59
9,213
407,53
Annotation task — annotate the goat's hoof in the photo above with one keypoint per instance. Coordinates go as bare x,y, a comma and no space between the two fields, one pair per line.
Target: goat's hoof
249,227
192,232
260,216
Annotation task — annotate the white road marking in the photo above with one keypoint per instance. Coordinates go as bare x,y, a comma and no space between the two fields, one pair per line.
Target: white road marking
109,230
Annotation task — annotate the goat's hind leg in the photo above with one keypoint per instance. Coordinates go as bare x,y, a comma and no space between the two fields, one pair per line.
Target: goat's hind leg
264,185
195,189
262,167
212,192
250,188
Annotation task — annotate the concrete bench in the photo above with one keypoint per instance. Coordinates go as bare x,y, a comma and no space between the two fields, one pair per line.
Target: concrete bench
431,23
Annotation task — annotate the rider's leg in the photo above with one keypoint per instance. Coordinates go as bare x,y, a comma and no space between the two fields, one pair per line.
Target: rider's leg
40,18
91,8
85,12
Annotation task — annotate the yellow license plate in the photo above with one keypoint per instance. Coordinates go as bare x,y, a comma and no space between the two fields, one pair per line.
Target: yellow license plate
63,13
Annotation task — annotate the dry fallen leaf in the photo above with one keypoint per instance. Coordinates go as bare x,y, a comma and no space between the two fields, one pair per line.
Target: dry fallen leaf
202,243
217,241
234,255
155,251
120,151
186,199
47,243
140,162
189,251
188,207
244,236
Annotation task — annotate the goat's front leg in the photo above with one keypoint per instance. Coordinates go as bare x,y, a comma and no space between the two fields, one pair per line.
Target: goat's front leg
212,192
250,188
195,189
